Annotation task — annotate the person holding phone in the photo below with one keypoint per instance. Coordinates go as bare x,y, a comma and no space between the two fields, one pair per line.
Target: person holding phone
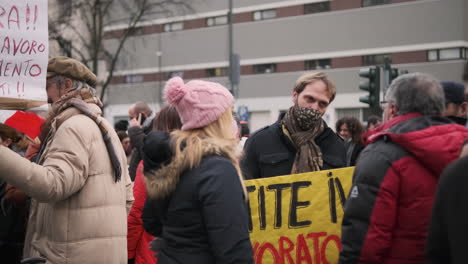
141,122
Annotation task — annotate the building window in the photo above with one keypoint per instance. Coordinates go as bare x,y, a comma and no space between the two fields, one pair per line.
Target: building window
433,55
316,7
374,59
134,78
375,2
450,54
318,64
136,31
447,54
175,74
216,21
173,26
264,14
264,68
216,72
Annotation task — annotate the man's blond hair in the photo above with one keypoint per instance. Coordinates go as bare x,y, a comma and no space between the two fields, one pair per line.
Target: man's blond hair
311,77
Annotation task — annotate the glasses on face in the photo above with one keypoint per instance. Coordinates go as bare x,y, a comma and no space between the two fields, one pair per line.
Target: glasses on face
384,103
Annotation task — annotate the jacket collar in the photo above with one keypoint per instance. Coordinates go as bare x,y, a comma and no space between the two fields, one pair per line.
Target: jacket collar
71,111
434,141
162,182
58,121
458,120
373,135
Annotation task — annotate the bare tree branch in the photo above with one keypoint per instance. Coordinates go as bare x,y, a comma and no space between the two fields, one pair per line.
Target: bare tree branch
121,44
87,37
84,41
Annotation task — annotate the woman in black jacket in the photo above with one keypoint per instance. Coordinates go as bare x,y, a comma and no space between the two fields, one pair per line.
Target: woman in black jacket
196,206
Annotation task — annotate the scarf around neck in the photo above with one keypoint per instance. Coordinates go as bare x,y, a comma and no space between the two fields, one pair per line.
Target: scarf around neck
80,98
308,156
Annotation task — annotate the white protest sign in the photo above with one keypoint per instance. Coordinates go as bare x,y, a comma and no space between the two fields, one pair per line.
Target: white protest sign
5,114
24,48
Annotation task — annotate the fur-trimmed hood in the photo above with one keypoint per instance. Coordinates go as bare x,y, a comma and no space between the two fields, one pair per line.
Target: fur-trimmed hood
162,181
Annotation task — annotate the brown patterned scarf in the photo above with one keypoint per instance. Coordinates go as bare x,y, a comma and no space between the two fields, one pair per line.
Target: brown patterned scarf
303,126
79,99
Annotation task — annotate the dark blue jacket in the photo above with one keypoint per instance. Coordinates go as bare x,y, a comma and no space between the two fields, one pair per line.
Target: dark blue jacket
204,218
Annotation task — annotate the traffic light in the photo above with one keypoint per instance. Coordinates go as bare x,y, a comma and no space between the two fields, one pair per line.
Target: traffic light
393,74
372,86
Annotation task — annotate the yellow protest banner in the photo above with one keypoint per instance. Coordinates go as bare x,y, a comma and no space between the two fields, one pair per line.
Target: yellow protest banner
297,218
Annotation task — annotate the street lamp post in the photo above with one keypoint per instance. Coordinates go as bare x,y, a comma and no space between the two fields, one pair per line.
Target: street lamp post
160,79
231,47
234,59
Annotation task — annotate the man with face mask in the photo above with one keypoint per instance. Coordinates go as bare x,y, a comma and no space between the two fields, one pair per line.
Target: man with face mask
300,141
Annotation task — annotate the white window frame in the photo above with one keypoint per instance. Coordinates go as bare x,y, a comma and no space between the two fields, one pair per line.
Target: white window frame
273,69
175,26
218,72
433,55
315,64
458,53
134,78
216,21
264,14
450,54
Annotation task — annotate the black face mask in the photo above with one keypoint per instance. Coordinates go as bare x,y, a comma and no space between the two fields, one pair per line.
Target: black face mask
306,117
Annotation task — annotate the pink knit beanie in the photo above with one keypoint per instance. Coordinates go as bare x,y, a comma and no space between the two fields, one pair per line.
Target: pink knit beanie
199,103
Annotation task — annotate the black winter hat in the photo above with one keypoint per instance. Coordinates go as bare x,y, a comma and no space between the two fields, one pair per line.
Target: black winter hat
157,150
454,92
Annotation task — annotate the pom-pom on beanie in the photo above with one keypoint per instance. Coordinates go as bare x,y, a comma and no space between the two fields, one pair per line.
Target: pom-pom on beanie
199,103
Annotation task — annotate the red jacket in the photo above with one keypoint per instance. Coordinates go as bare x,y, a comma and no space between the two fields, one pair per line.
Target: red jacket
389,207
137,238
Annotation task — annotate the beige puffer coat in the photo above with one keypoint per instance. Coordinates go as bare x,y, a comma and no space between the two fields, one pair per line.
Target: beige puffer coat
78,213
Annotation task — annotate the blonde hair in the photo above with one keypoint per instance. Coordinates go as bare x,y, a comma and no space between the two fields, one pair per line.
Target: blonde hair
189,144
311,77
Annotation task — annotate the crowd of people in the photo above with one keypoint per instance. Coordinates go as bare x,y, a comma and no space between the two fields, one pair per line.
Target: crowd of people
168,186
